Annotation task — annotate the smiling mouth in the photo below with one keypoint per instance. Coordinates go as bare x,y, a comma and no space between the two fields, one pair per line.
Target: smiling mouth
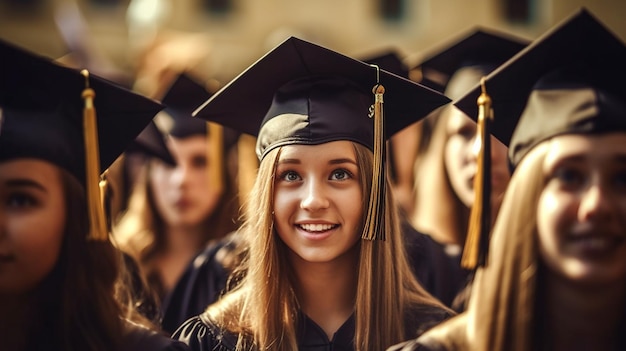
317,228
597,243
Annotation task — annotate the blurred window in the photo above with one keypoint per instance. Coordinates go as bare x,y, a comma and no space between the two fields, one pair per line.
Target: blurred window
518,11
391,10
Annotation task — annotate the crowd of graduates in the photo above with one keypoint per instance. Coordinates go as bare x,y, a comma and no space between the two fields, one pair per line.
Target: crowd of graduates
321,202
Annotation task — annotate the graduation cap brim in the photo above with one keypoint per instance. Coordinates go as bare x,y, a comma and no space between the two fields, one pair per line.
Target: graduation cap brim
481,46
578,39
151,142
243,102
29,82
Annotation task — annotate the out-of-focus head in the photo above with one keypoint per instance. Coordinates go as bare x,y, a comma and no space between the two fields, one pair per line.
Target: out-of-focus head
565,92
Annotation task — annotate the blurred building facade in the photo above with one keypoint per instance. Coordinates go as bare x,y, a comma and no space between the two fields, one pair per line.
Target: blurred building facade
225,36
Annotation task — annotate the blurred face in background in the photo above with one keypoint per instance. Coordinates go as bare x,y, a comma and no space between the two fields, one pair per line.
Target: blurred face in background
184,194
581,214
461,156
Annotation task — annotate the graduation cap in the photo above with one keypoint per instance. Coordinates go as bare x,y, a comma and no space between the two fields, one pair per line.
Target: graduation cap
455,69
540,92
181,99
151,142
570,80
302,93
458,66
48,113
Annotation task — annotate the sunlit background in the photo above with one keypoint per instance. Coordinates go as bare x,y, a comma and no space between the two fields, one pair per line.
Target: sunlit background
126,40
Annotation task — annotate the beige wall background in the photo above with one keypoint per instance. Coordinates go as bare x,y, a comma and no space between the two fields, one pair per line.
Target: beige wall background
222,45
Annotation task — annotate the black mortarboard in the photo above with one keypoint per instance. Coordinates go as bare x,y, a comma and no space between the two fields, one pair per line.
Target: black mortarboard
43,107
483,49
570,80
302,93
42,112
151,142
182,98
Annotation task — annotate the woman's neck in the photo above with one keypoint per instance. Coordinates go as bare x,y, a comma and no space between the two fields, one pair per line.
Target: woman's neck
581,318
181,245
16,320
326,291
180,239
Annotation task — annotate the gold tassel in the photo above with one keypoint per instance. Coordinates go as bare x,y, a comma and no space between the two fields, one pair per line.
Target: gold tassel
375,221
476,242
97,220
215,153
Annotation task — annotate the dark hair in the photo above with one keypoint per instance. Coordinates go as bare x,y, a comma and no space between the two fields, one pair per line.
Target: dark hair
82,301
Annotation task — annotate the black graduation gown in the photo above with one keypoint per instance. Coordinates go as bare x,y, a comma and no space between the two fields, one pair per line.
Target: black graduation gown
437,271
201,285
202,335
141,339
137,339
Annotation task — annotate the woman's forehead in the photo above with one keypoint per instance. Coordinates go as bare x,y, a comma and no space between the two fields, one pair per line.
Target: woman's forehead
594,147
340,149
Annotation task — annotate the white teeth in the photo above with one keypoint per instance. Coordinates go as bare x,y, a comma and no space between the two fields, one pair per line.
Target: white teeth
316,227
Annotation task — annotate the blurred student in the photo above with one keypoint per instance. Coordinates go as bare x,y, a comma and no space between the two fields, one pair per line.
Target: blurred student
556,274
62,282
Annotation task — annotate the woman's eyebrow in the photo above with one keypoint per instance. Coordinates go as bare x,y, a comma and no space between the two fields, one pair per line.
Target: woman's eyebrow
23,182
342,160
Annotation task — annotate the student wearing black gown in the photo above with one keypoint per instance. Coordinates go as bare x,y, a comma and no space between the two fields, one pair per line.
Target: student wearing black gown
321,268
555,277
62,282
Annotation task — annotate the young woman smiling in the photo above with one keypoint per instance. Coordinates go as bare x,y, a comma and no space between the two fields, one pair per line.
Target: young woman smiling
320,269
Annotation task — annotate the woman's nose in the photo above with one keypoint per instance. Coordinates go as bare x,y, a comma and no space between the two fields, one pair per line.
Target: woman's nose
314,197
595,204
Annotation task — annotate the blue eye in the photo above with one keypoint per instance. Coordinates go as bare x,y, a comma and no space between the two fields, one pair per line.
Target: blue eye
290,176
340,174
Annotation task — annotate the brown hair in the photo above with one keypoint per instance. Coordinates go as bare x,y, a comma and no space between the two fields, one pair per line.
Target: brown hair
263,308
84,300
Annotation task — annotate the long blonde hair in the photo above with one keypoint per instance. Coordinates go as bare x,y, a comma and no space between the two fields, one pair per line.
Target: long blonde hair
438,210
500,312
263,308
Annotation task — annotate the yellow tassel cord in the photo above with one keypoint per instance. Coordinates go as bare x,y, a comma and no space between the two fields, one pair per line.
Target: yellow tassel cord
215,153
97,227
477,241
375,222
247,167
